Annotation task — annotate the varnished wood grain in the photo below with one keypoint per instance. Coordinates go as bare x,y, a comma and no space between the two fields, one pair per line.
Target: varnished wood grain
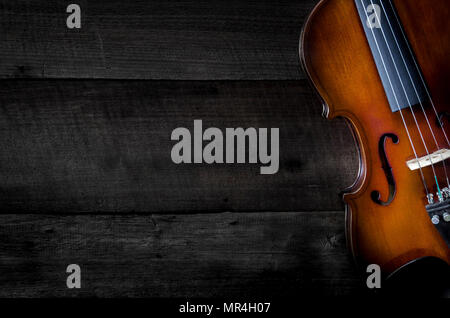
340,64
104,146
157,39
201,255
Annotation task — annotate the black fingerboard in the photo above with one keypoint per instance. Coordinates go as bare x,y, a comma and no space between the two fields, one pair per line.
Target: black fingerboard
393,56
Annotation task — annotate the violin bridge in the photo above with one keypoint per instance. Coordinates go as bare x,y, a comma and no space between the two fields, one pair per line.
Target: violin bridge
428,160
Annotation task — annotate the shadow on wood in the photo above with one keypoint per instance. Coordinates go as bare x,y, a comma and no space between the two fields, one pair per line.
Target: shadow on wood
203,255
104,146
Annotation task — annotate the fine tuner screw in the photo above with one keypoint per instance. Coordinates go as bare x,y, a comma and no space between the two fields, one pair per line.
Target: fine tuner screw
443,195
446,193
446,217
440,196
430,198
435,219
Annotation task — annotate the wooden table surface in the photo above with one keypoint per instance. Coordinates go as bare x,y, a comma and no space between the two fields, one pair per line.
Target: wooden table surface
85,170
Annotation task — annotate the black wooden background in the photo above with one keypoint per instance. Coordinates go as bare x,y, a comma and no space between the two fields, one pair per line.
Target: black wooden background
85,170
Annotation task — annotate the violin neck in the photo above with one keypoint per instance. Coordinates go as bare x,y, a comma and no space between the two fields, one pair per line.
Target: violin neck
400,74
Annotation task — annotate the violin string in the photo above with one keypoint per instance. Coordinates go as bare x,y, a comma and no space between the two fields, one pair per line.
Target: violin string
415,89
398,105
407,99
420,74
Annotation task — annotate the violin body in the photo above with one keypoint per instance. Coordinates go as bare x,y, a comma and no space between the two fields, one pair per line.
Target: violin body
337,58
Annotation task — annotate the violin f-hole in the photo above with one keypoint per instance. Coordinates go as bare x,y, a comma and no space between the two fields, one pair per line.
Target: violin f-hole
375,195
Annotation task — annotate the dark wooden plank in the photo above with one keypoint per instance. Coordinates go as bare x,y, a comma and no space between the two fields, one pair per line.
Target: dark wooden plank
104,146
153,39
200,255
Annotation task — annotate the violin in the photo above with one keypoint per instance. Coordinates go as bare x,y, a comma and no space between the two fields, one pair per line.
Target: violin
384,66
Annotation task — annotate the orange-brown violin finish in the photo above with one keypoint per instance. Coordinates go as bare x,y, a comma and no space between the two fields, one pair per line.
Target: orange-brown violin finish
337,58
